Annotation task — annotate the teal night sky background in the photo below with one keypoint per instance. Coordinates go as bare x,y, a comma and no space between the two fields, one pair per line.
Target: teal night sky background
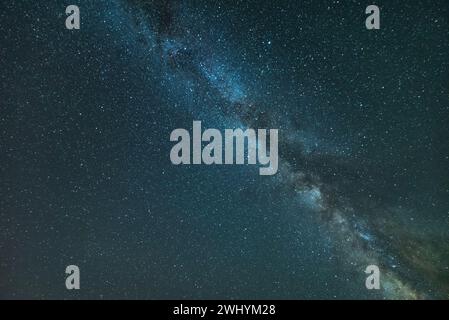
85,171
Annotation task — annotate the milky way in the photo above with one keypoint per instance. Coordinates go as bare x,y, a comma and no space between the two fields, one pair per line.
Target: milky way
363,160
361,237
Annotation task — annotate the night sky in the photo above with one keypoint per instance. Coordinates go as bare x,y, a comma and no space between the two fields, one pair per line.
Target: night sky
85,171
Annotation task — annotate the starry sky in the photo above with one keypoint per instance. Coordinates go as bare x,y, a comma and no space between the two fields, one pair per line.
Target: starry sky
86,177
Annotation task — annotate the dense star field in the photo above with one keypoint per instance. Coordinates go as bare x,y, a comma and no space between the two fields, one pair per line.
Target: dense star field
85,171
